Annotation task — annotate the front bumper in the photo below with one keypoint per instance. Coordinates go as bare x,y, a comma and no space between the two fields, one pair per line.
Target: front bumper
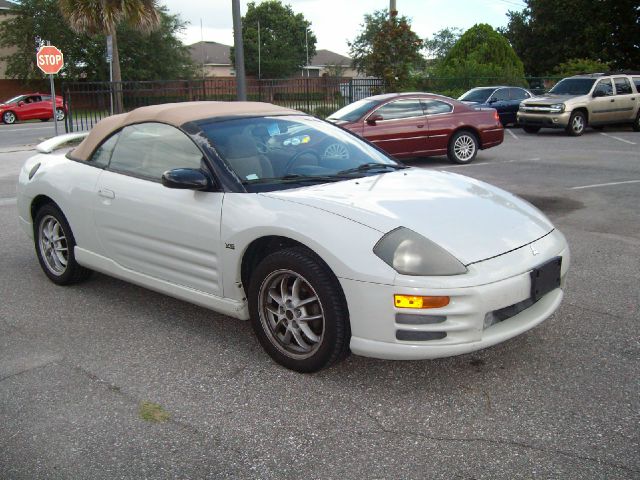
548,120
381,330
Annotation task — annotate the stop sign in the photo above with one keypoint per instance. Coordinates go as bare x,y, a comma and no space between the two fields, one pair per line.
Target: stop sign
49,59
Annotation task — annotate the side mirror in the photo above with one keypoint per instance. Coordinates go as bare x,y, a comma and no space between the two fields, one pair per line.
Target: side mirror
20,103
186,179
492,100
599,93
376,117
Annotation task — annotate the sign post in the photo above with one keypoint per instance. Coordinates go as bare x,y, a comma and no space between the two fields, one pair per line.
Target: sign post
110,60
49,59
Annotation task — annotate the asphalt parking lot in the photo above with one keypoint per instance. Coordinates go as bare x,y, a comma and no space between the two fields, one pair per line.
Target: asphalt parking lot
561,401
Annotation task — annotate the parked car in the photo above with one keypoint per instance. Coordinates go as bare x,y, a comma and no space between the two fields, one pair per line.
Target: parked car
421,124
326,243
504,99
584,100
31,106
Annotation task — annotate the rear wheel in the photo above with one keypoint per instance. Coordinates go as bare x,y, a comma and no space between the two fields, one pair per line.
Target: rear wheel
298,311
463,147
9,118
636,124
577,124
530,129
54,244
60,114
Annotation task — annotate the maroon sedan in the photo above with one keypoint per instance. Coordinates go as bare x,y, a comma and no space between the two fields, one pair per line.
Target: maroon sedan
32,106
422,124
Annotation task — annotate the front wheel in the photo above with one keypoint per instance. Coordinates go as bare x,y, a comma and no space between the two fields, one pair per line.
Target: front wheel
577,124
9,118
298,310
463,147
54,244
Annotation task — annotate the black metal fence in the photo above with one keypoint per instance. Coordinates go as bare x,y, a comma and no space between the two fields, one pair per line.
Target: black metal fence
89,102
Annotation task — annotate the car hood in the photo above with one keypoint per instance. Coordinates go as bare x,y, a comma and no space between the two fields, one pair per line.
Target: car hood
471,219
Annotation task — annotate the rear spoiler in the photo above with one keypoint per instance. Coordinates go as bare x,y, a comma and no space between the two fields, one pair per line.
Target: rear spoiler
50,145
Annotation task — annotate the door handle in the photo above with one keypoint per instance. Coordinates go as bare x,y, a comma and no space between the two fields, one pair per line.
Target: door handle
612,100
106,193
420,125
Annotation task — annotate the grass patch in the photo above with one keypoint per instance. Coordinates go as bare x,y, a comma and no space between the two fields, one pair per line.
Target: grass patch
152,412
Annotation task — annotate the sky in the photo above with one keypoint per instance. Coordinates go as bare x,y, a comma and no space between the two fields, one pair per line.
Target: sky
336,21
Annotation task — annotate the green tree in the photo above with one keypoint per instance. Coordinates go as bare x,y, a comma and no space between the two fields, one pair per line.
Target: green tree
159,55
546,34
387,48
576,66
441,42
482,56
104,17
284,38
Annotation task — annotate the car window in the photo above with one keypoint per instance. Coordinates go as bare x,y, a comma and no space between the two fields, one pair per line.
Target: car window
500,95
102,155
636,80
623,86
400,109
435,107
149,149
518,94
605,87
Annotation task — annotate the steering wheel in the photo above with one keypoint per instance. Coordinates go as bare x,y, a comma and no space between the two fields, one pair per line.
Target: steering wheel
294,159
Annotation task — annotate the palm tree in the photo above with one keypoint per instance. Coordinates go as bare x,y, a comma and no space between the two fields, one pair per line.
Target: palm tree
103,17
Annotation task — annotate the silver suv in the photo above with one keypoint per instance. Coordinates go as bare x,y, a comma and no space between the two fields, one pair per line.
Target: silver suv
575,102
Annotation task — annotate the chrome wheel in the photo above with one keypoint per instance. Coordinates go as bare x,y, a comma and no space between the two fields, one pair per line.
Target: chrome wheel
464,147
291,314
336,151
60,114
52,243
9,117
577,124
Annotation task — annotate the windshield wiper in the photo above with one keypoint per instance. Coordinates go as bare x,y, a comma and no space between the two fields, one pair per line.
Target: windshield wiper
295,178
366,167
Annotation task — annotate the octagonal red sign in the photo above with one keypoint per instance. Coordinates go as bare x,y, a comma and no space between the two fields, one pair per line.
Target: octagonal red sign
49,59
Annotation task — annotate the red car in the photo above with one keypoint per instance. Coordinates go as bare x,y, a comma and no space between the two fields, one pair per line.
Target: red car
422,124
31,106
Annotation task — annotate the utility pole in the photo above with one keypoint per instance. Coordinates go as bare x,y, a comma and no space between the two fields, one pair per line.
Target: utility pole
259,57
241,80
393,11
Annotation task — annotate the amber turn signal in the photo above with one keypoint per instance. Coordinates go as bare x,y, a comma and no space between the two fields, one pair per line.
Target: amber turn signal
410,301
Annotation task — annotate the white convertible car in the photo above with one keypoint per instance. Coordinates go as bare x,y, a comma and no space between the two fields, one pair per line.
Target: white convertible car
323,241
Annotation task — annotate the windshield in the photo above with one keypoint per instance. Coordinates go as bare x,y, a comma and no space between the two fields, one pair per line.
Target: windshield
573,86
355,110
479,95
274,153
14,99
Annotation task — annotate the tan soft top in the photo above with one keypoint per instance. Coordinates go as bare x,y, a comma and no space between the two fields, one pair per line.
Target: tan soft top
176,114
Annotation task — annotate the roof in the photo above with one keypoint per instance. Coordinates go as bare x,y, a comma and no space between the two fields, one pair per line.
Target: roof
4,5
387,96
176,114
210,53
322,58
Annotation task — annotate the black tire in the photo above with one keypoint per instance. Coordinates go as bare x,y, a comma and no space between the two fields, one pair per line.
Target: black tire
53,268
636,124
529,129
332,329
9,117
463,147
577,124
45,119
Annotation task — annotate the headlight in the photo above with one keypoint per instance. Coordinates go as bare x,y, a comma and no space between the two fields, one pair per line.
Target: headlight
557,108
409,253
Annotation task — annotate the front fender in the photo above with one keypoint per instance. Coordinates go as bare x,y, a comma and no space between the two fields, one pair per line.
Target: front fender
345,246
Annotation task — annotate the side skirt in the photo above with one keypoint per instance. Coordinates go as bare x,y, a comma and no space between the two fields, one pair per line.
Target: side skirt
107,266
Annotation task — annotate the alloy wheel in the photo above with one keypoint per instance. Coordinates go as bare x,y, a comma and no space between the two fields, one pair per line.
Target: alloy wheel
577,124
464,147
53,245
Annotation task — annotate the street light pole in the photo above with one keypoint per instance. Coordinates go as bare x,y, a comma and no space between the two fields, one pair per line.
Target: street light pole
393,11
241,80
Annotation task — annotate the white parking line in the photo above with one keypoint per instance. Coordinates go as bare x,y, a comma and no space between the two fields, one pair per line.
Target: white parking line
604,184
7,201
511,133
18,130
617,138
